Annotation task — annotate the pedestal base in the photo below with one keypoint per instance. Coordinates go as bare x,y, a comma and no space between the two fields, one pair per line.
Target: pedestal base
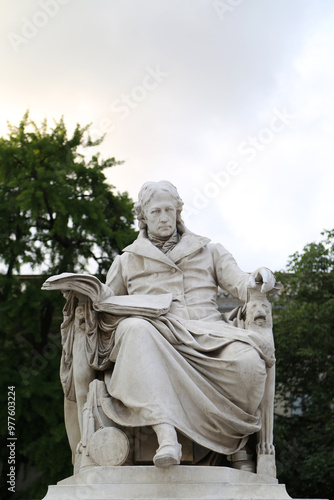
175,482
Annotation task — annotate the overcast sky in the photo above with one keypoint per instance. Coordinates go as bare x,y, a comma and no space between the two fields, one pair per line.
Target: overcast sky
231,100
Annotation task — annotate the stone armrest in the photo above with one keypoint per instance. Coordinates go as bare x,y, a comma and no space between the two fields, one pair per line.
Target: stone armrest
258,317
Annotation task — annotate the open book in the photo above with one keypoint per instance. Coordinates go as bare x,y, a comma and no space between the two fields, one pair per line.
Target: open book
103,299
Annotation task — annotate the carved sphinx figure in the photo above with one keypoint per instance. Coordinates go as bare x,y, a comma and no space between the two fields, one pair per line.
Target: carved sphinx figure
190,373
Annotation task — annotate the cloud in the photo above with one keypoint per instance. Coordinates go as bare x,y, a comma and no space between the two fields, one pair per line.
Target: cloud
224,77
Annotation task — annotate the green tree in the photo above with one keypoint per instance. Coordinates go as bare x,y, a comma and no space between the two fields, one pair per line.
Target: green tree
57,209
304,336
57,214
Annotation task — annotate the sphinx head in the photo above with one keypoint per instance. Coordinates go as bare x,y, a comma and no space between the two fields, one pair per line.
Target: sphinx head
257,311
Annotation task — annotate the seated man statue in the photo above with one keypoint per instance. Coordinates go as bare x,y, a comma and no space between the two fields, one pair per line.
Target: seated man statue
190,370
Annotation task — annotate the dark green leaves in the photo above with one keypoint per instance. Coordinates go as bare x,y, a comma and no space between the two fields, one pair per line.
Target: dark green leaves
57,213
304,336
56,207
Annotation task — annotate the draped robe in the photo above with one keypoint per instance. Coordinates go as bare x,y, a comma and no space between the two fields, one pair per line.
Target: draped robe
189,368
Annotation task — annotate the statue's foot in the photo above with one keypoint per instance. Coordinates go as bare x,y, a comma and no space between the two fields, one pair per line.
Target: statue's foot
245,465
167,455
169,451
242,460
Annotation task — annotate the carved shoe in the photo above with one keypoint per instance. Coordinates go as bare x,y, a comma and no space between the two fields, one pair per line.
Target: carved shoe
168,454
242,460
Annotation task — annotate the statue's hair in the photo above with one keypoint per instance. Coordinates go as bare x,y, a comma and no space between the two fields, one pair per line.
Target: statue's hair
145,195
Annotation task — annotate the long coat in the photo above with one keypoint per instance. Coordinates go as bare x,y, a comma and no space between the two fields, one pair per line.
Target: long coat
192,272
176,375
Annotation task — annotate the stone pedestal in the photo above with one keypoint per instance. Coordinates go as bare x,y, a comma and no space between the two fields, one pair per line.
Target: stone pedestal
176,482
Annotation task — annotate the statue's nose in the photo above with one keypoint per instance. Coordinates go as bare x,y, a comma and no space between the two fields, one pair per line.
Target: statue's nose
260,312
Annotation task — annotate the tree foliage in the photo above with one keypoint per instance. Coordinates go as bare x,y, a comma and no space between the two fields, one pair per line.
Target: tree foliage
56,208
57,214
304,336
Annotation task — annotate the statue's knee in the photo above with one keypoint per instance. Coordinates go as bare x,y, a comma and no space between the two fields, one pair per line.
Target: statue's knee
253,359
256,372
251,366
129,327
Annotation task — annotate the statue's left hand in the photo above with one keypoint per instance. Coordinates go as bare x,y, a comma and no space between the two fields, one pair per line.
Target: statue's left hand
264,276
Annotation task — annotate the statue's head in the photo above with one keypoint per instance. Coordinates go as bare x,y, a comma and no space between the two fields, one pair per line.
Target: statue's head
155,192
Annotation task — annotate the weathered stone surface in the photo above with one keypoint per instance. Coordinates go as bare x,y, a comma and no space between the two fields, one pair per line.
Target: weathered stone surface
109,446
177,482
179,368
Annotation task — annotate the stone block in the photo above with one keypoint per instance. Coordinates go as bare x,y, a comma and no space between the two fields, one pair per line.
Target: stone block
177,483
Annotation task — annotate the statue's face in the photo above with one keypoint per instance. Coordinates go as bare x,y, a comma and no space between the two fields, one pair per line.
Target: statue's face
258,313
160,215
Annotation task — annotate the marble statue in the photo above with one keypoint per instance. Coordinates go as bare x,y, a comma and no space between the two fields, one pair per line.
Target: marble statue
189,373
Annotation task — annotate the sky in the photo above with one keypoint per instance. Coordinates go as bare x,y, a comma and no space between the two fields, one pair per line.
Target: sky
230,100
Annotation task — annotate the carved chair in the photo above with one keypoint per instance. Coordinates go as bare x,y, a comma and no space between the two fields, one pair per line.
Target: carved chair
91,434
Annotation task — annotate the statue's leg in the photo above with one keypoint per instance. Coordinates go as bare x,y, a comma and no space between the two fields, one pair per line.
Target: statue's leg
169,451
135,342
243,382
241,375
